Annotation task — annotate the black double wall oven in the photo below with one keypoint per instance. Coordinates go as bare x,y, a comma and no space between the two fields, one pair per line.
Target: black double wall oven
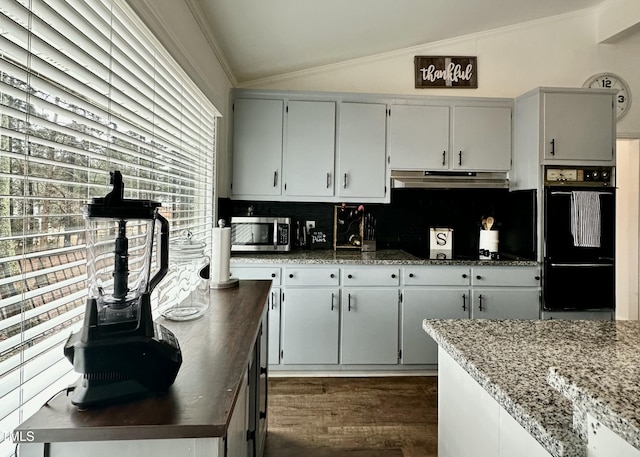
579,239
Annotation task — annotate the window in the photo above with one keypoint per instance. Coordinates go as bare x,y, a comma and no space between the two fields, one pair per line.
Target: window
85,89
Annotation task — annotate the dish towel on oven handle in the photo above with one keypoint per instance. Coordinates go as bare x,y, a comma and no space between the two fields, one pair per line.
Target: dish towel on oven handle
585,219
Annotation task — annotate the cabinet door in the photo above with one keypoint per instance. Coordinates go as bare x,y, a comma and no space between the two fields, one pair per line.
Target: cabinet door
238,424
579,126
310,326
362,150
273,303
369,326
257,147
419,137
481,138
421,303
310,146
506,303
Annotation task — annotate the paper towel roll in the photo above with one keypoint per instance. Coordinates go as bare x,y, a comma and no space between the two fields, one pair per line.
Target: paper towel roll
221,254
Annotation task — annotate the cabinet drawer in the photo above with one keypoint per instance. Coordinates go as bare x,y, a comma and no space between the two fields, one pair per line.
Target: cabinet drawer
271,273
436,276
311,276
506,276
375,276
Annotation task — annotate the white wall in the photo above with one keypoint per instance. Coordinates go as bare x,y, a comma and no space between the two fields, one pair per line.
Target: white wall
560,51
627,209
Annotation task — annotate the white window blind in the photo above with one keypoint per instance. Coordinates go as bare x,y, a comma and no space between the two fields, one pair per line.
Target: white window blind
85,89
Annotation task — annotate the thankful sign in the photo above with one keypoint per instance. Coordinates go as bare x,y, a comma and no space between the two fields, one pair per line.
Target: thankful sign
446,72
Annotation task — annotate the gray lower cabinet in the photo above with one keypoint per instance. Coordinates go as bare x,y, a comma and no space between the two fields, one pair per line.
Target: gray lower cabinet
428,303
369,326
459,292
310,324
368,316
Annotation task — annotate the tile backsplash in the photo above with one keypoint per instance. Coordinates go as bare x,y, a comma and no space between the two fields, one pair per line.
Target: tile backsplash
404,223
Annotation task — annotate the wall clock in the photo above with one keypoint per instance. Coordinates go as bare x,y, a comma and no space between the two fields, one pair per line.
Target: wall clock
611,81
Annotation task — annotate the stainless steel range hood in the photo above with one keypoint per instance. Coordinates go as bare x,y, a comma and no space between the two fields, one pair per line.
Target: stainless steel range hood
449,179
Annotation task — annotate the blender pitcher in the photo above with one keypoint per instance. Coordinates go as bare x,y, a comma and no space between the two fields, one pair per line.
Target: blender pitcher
121,235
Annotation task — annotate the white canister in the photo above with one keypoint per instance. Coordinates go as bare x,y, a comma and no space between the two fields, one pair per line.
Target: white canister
488,244
440,243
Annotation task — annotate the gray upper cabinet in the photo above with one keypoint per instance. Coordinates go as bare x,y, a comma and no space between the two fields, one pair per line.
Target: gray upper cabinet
362,156
419,137
257,147
481,138
578,126
466,138
309,149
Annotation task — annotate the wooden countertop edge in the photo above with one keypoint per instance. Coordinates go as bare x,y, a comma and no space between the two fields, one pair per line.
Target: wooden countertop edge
235,314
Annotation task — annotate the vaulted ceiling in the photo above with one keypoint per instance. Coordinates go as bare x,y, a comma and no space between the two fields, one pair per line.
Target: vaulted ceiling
264,38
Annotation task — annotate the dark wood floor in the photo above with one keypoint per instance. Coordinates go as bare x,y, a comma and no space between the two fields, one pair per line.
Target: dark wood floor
352,417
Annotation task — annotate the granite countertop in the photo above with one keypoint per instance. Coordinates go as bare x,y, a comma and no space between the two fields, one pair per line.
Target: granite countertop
380,257
547,374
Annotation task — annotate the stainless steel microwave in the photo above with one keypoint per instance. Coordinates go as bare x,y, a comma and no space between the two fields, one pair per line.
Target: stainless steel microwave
271,234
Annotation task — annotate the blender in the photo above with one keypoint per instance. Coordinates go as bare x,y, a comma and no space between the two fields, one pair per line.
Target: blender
120,351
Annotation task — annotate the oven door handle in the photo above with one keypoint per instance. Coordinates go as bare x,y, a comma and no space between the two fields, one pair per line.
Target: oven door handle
581,265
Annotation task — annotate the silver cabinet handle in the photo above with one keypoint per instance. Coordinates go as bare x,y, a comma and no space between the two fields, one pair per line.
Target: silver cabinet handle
273,300
344,182
328,180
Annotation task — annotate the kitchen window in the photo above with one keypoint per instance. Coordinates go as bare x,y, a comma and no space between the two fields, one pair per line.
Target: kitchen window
85,89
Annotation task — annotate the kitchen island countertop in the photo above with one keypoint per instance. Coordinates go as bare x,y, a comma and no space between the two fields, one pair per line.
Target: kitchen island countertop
379,257
546,372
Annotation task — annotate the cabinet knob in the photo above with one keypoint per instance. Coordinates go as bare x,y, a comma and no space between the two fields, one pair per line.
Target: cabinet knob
291,275
273,275
349,276
411,275
464,275
393,275
332,276
537,278
478,277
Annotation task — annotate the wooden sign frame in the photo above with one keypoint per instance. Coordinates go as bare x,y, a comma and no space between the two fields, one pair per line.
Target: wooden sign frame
446,72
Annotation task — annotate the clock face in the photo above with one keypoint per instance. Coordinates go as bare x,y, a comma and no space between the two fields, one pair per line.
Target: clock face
611,81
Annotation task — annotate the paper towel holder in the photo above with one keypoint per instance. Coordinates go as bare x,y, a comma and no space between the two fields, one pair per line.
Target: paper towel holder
225,284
